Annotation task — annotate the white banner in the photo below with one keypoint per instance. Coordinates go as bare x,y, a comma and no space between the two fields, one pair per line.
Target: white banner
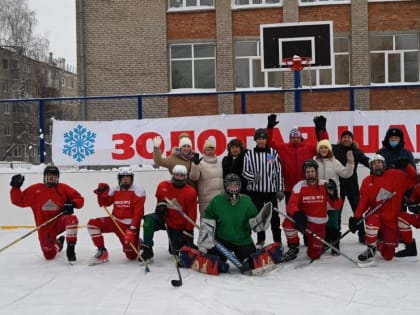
129,142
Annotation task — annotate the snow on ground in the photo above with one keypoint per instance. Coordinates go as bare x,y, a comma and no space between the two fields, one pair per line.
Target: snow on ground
333,285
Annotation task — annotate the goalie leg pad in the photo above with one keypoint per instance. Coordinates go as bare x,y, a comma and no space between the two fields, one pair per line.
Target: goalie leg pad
209,264
261,258
187,255
275,250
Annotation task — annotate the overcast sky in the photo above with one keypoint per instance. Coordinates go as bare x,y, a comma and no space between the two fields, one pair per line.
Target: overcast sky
57,22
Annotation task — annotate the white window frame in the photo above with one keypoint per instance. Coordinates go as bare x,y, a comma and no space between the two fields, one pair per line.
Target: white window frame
394,52
6,108
183,6
193,59
256,5
323,2
251,60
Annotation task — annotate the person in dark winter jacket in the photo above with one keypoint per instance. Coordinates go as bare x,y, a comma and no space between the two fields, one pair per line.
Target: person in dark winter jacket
233,162
396,156
349,187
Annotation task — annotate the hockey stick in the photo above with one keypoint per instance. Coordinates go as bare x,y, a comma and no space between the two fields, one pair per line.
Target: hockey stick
146,266
32,231
221,248
371,211
175,283
356,263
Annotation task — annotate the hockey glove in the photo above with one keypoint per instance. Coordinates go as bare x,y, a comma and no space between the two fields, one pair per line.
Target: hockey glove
68,207
129,235
354,224
301,220
162,210
17,180
102,187
271,121
332,189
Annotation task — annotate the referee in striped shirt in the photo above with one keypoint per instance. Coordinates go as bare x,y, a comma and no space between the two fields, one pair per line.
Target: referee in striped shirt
262,170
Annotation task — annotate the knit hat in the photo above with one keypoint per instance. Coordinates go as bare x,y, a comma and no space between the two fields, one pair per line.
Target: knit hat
324,143
394,132
185,141
260,133
347,133
208,144
295,133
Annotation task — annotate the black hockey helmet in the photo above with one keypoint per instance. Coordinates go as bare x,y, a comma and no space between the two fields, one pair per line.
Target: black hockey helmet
310,163
54,171
232,184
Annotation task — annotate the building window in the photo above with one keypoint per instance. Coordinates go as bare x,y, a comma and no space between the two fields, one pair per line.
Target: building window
6,86
248,67
251,3
62,83
339,74
394,58
191,4
6,107
5,64
193,66
7,130
303,2
18,151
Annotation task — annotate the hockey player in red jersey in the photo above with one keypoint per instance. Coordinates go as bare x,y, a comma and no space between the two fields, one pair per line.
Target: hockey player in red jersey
382,225
308,208
128,209
412,217
47,200
181,232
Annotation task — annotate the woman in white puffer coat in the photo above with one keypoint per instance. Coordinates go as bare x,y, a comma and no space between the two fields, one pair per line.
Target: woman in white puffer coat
331,168
208,173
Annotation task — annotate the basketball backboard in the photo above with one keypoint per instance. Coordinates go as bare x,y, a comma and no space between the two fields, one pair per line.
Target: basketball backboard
305,39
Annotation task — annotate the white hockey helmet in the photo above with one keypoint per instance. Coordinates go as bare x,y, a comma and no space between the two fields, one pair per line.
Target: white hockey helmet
377,157
125,171
179,175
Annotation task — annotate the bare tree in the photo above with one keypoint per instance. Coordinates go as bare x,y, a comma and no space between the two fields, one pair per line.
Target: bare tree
17,22
26,77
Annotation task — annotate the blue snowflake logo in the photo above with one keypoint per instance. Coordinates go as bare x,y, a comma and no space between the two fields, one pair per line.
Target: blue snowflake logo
79,143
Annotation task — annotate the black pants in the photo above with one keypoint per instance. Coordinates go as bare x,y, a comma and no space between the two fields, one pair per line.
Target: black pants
241,251
259,198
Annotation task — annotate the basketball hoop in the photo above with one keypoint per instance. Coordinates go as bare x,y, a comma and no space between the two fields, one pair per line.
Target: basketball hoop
297,63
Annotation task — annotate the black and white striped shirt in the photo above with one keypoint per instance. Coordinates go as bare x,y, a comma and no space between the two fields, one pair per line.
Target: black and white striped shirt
266,163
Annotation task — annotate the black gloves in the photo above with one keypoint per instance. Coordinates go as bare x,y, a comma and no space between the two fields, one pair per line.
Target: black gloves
332,189
196,158
271,121
300,219
162,210
17,180
354,224
68,207
102,187
320,122
401,163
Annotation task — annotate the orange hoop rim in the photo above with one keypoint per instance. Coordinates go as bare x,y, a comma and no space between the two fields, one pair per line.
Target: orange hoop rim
290,62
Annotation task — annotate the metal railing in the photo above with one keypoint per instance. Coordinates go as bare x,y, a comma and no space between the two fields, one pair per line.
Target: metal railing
242,94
